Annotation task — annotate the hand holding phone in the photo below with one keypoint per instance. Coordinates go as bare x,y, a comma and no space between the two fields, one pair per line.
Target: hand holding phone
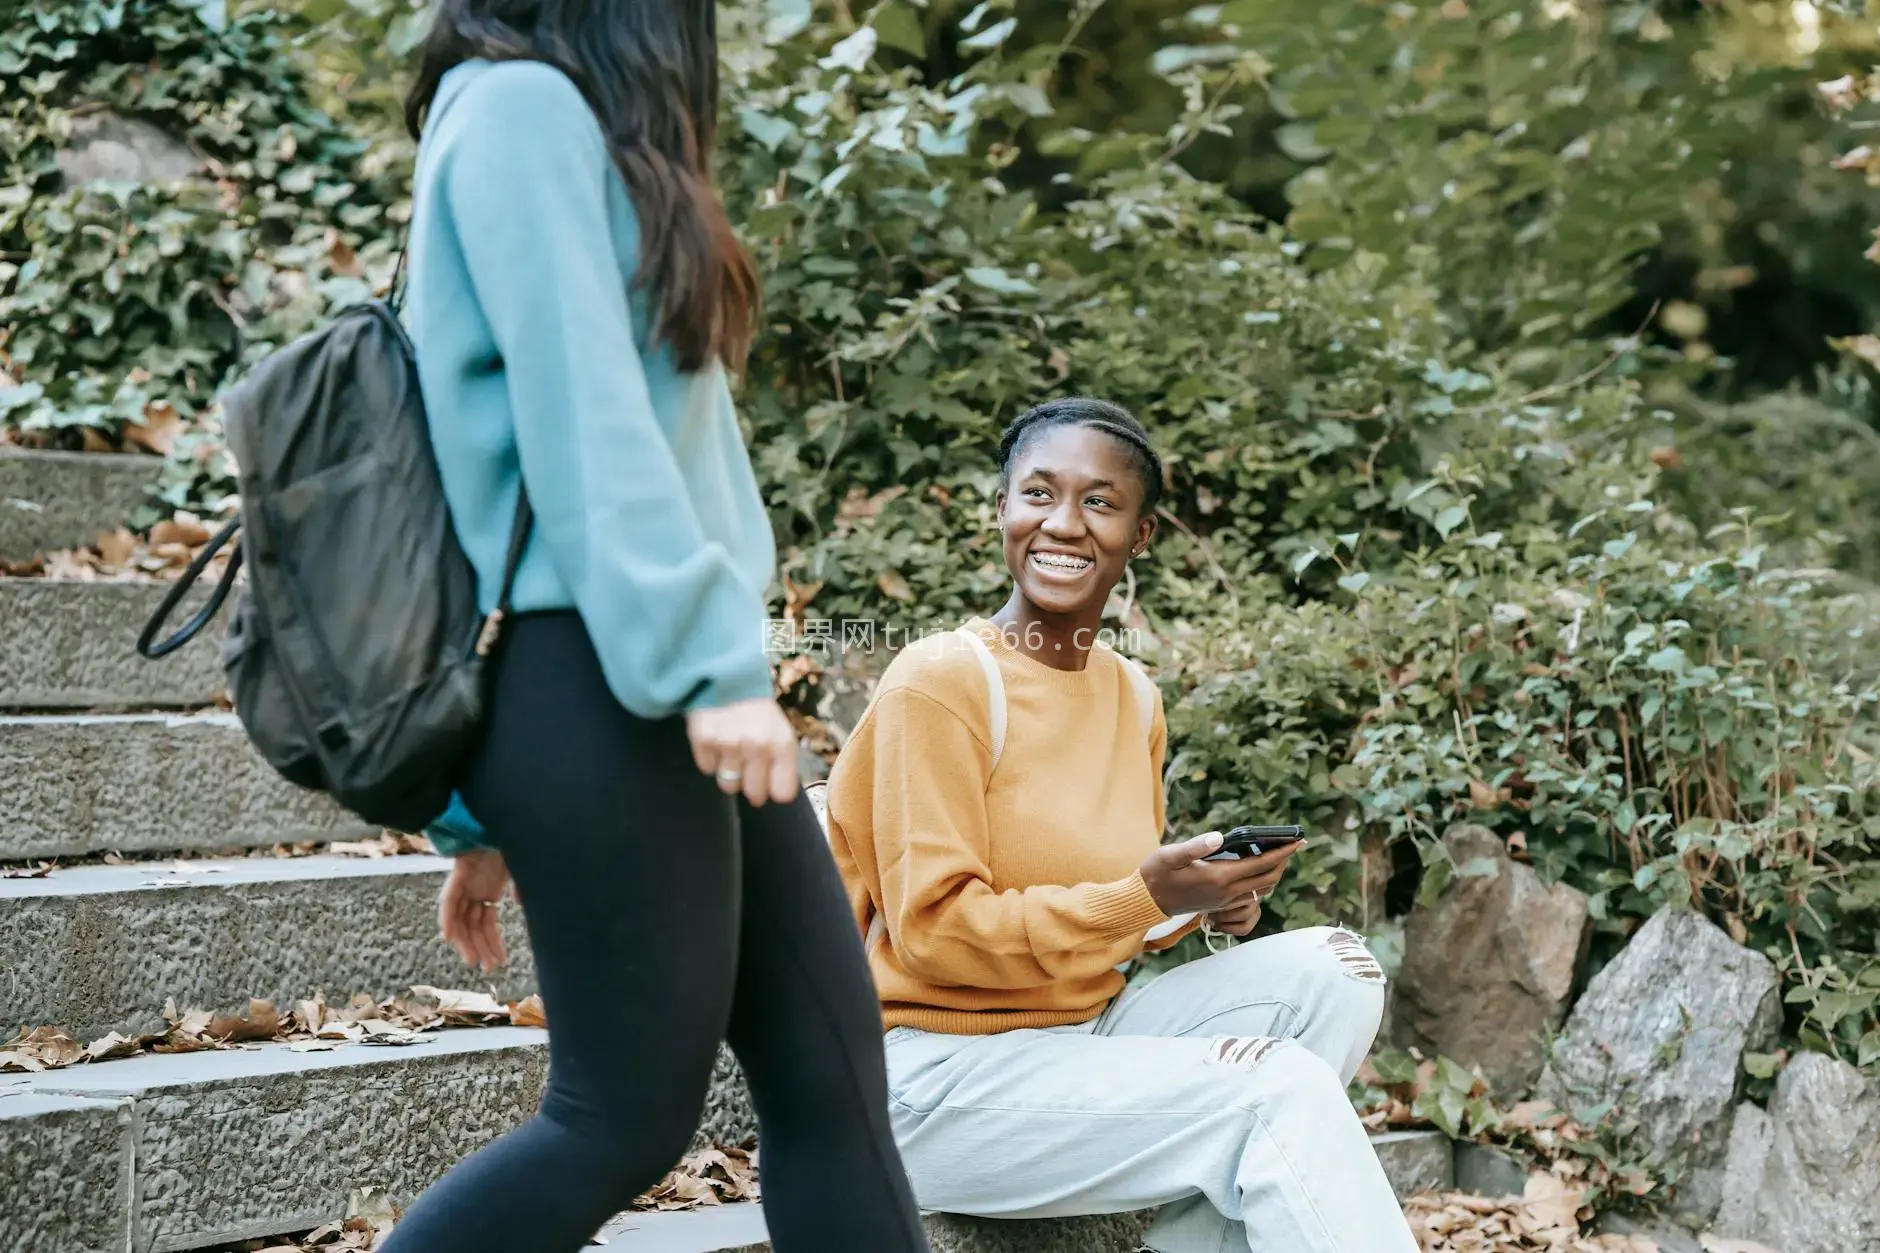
1190,877
1244,842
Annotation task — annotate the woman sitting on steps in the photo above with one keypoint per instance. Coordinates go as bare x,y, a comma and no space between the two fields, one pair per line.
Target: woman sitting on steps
997,818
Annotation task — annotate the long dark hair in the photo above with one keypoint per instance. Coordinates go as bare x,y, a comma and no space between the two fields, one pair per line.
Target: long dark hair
649,70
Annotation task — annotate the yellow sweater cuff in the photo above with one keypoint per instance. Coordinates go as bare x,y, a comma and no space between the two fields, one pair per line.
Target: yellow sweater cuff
1124,907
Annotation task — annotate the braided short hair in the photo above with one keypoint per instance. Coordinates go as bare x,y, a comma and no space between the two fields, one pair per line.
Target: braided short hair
1098,415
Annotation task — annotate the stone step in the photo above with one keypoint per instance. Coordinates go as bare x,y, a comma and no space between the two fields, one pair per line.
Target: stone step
96,949
176,1152
1415,1161
53,500
73,645
739,1228
181,1151
148,783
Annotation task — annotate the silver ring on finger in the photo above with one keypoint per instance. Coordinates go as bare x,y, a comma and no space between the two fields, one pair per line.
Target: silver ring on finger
730,778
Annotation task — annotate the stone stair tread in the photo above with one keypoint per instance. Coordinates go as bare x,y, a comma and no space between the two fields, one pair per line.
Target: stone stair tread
1414,1160
73,645
54,500
94,949
78,784
187,1150
159,875
734,1228
239,1144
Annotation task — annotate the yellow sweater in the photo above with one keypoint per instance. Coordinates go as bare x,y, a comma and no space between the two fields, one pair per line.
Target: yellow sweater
1009,898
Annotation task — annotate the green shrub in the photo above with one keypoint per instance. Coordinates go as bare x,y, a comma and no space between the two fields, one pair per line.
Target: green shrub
125,307
1425,553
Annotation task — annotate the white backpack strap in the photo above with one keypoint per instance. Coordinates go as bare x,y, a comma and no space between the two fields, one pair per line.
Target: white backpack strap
818,794
1145,693
995,692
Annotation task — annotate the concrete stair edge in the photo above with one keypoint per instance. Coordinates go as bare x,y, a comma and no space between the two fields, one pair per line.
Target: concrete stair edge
88,783
1414,1160
96,949
163,1153
73,645
54,500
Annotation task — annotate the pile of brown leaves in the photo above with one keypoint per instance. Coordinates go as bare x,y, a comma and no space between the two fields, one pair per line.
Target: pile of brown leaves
121,556
711,1176
1547,1217
310,1026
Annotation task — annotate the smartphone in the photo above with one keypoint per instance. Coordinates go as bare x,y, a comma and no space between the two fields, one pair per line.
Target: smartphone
1252,841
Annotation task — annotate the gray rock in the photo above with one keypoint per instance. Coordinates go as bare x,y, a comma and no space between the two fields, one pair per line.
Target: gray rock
73,645
105,145
1661,1033
77,785
94,949
1809,1170
1752,1135
66,1161
54,500
1416,1161
1489,967
1487,1170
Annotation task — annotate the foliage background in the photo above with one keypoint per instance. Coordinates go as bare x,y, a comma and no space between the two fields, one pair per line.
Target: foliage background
1510,361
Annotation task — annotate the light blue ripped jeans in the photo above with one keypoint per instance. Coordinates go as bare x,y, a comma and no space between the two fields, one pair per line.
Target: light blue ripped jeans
1215,1092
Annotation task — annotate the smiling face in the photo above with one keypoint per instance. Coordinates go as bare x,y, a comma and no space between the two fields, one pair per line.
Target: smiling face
1072,517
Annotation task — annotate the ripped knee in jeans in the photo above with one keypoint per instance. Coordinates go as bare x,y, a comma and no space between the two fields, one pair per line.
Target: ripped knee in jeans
1353,958
1239,1050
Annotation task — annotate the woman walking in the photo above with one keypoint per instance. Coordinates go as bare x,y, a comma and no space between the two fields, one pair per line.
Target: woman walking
576,298
997,816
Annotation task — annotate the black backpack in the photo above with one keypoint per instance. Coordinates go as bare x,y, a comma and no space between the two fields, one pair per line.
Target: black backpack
356,656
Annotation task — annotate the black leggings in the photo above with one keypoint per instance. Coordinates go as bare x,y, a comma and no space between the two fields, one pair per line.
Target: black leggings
664,917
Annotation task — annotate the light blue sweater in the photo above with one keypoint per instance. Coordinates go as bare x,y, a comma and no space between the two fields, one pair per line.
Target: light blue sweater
537,364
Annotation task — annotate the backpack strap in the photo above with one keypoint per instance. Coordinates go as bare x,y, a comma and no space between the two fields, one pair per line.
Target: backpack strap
995,692
1145,693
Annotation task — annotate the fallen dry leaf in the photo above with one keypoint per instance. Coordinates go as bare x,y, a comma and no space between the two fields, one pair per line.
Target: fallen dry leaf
159,429
460,1006
528,1012
41,1048
262,1022
116,548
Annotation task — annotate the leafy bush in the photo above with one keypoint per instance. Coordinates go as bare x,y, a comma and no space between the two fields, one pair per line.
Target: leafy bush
1396,585
1425,552
126,306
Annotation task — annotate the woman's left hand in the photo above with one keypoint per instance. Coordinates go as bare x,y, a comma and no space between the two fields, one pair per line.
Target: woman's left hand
1239,918
467,907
